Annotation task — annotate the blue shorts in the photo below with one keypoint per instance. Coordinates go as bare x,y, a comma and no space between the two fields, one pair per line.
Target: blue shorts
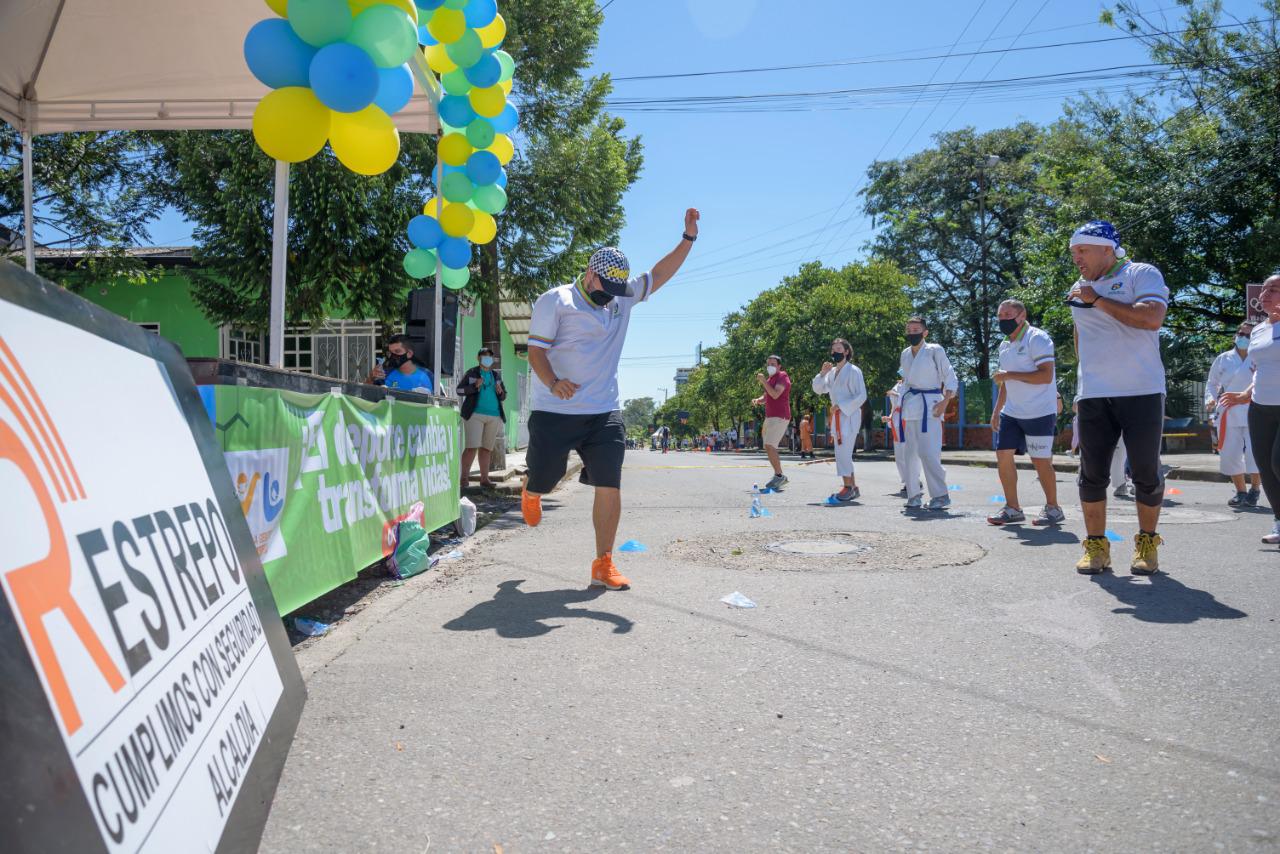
1032,436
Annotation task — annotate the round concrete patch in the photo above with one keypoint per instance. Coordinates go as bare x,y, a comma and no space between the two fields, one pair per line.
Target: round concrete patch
826,551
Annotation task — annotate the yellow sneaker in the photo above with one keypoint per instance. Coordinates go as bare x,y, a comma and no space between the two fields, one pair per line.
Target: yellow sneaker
1096,557
605,574
1146,560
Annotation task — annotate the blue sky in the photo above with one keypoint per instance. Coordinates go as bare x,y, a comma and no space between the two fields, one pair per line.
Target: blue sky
763,178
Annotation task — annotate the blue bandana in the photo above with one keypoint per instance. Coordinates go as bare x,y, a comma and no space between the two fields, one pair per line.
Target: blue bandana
1098,232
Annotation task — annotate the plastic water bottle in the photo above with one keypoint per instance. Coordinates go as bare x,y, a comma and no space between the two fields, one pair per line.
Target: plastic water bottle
757,509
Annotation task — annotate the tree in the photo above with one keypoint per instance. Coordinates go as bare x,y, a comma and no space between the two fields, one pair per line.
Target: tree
91,189
637,414
962,253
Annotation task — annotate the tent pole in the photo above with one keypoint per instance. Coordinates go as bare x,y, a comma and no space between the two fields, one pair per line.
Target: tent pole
279,257
28,192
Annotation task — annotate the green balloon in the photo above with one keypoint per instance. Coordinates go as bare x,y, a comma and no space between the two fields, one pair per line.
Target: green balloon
456,82
480,133
385,33
490,198
420,263
320,22
456,4
455,279
467,50
457,187
507,63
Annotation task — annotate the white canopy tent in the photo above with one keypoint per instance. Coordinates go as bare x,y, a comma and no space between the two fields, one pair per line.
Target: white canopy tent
96,65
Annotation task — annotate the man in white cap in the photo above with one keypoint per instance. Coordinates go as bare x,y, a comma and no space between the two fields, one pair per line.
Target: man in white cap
575,341
1118,307
1232,372
928,384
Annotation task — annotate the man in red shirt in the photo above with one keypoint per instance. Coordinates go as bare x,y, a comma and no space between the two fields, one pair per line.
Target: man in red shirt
777,414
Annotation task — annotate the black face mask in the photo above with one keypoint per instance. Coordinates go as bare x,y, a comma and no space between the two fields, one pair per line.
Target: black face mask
837,357
393,361
914,338
1007,327
601,298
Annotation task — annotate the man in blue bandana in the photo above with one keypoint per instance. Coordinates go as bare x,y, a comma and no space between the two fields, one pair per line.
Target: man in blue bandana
1118,307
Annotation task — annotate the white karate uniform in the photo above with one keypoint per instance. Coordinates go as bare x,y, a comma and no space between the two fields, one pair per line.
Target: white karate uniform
848,392
925,375
1230,373
899,446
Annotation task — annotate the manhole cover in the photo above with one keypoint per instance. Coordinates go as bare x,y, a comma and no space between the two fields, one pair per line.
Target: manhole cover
826,551
819,548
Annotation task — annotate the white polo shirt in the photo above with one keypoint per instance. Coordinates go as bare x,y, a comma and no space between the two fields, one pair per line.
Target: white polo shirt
1025,354
584,343
1118,360
1264,355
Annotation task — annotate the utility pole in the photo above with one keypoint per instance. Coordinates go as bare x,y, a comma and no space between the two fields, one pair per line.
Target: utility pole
988,162
664,394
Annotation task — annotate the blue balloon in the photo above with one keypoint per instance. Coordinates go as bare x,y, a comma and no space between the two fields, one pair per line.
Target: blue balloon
479,13
429,5
449,170
483,167
485,73
424,36
455,252
502,180
456,110
425,232
506,121
276,56
395,88
344,78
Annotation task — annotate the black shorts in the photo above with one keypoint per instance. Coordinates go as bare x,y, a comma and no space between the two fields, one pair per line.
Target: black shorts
1102,421
600,440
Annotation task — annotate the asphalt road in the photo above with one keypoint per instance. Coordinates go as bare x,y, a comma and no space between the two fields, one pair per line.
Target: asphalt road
946,685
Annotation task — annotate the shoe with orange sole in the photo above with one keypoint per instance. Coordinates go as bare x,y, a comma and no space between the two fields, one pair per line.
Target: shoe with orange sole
605,574
531,508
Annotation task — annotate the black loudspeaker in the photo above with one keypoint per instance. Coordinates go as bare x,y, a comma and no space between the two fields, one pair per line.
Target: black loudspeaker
419,325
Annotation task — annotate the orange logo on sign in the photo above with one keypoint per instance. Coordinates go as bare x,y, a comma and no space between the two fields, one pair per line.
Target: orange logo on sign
42,587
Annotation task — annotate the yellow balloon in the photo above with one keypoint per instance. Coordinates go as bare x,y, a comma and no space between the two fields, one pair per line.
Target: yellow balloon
280,7
291,124
483,230
487,102
357,6
456,220
429,209
366,142
447,25
454,149
503,148
438,59
492,34
505,85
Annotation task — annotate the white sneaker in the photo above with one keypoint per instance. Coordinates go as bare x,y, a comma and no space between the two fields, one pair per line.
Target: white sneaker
942,502
1273,539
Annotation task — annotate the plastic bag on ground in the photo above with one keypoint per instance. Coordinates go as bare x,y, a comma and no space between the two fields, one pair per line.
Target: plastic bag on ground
467,517
411,555
737,600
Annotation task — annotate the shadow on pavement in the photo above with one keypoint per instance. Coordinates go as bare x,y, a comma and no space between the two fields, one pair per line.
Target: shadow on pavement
1164,600
512,613
1041,536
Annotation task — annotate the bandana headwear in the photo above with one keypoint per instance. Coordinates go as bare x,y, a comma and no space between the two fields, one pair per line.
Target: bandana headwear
1098,232
613,269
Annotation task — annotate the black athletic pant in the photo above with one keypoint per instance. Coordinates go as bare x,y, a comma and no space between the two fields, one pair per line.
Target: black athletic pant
1103,421
1264,434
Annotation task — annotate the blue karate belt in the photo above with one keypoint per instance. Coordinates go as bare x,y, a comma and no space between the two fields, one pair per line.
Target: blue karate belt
924,427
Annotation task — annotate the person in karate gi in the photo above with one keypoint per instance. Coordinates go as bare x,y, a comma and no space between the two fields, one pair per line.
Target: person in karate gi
892,423
1232,372
841,380
928,384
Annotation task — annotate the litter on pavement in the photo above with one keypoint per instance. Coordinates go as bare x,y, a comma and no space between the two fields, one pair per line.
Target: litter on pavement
737,600
633,546
310,628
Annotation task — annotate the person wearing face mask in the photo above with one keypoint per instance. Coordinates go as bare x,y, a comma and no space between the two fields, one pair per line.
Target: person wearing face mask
777,415
399,370
1118,307
575,341
841,380
928,384
482,394
1232,372
1263,398
1026,412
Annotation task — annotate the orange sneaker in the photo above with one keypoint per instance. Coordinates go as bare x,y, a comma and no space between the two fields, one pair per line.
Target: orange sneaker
605,574
531,508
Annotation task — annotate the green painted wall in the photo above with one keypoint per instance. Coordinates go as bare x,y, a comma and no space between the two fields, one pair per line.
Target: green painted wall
166,301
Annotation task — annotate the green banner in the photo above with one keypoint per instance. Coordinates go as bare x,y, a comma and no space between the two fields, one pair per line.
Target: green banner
323,479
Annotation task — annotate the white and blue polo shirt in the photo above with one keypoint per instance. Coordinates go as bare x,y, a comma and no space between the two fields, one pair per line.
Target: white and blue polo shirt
1118,360
1024,352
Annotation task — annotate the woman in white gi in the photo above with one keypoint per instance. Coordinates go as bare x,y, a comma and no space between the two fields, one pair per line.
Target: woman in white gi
1232,372
892,422
928,383
842,381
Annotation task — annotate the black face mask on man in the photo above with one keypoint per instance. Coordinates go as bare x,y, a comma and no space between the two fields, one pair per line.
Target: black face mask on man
837,357
394,361
601,298
1007,327
914,338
